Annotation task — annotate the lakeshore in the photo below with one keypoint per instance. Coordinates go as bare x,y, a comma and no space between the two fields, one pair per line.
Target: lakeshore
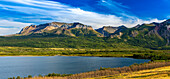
132,53
153,55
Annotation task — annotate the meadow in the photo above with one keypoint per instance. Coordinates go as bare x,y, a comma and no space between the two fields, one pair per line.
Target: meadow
134,53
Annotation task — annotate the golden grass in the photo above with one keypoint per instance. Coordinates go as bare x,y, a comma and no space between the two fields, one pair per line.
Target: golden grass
46,78
157,73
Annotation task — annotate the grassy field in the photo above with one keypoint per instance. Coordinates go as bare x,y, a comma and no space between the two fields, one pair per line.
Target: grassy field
154,55
157,73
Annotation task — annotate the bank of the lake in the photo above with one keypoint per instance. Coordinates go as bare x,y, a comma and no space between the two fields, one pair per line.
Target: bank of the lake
117,52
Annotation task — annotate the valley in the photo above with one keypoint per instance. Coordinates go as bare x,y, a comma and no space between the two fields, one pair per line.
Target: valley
146,41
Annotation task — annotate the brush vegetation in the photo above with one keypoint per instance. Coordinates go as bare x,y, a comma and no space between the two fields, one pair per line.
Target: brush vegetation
134,53
157,73
84,42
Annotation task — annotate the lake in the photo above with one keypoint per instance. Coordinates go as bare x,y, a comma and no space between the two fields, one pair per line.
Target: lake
24,66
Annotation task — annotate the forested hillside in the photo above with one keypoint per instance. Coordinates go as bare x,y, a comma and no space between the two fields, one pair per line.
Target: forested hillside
77,35
75,42
64,42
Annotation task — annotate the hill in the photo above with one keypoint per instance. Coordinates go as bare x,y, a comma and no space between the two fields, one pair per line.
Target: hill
60,29
78,35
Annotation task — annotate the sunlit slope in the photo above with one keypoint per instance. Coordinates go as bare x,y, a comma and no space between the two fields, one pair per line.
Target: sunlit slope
158,73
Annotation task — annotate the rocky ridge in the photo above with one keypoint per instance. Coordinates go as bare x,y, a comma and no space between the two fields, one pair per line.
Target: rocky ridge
157,30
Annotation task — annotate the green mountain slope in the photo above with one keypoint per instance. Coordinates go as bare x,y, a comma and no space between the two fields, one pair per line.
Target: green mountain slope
65,42
77,35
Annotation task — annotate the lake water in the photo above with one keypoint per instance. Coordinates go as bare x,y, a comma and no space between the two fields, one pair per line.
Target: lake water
24,66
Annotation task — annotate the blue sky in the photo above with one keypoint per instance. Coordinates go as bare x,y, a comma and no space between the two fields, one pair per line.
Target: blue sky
16,14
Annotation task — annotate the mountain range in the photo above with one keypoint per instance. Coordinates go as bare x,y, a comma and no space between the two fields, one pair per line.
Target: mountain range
153,35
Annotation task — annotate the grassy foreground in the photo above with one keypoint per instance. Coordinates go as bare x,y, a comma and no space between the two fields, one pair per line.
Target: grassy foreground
157,73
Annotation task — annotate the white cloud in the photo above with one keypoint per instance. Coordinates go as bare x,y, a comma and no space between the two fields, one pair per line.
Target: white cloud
13,23
113,6
40,3
137,21
64,13
103,0
151,20
7,31
15,27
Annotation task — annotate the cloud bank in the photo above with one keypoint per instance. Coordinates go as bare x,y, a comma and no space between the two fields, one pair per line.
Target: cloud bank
11,27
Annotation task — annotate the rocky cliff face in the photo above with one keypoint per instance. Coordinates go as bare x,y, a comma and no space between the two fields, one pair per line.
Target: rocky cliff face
163,30
60,29
109,31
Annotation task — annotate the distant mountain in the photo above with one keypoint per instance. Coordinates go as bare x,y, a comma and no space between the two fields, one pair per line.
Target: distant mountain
109,31
62,29
159,32
151,35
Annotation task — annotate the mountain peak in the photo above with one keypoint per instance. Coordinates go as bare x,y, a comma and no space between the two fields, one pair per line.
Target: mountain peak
122,26
60,28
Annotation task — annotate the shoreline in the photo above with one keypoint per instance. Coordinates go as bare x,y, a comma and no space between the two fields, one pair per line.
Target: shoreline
60,55
73,56
28,56
68,56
